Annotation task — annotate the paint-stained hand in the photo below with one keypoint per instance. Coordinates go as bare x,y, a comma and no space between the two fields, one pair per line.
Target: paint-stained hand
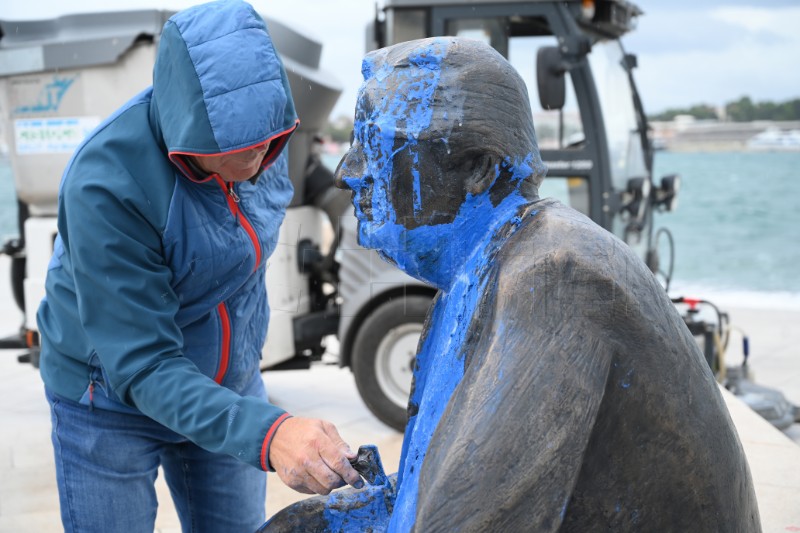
310,457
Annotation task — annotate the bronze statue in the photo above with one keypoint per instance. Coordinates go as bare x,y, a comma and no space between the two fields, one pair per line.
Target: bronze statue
556,387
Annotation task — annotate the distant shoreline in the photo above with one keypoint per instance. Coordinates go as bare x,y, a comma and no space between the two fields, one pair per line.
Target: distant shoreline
685,134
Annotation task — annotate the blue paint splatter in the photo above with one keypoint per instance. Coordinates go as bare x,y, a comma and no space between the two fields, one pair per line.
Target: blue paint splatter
409,109
454,257
417,190
626,381
363,510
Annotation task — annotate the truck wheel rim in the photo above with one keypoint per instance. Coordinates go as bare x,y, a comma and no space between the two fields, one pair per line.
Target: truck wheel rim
394,362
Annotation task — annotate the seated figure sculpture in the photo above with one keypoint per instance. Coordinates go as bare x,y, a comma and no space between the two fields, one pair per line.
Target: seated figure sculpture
556,388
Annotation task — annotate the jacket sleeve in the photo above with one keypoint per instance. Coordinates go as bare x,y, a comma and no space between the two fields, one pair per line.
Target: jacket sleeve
110,228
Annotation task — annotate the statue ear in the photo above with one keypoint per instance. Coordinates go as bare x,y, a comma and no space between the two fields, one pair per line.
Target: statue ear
482,174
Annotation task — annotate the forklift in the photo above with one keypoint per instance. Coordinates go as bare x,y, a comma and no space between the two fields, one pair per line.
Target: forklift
592,133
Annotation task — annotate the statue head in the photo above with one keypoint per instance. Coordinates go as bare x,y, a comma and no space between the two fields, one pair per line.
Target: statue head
443,146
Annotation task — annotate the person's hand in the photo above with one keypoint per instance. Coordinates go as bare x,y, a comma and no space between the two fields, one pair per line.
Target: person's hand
310,456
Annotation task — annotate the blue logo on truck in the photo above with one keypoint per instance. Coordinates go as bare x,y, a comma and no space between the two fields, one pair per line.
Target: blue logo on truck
50,96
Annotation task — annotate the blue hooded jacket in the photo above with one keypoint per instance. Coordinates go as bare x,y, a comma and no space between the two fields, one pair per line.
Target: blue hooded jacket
156,301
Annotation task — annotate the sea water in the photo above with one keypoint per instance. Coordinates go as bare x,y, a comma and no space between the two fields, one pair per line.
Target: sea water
736,228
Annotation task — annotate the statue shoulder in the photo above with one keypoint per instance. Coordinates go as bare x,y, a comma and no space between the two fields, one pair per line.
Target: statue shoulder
560,263
554,236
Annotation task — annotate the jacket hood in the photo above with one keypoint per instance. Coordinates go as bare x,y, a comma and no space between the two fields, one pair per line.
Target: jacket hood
219,85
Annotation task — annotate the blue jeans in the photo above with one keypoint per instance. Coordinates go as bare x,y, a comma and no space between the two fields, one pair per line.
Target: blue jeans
106,467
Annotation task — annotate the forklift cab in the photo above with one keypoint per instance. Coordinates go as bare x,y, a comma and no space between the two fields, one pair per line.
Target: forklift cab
591,127
592,134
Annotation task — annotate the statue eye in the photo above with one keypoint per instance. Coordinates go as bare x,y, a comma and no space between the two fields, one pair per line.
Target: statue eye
482,163
473,163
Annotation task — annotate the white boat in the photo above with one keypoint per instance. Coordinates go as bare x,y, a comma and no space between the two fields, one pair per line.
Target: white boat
774,139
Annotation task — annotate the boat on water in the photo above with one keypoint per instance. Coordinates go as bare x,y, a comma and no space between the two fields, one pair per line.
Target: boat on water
775,140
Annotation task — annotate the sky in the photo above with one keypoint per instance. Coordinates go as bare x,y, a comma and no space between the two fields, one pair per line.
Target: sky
689,51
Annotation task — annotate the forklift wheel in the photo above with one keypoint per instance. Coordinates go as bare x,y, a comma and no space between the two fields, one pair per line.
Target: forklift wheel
383,357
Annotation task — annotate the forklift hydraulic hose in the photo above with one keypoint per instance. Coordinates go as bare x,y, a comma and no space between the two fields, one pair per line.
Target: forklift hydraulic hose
668,274
720,358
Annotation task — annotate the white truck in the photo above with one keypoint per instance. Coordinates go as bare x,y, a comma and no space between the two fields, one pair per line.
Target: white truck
59,78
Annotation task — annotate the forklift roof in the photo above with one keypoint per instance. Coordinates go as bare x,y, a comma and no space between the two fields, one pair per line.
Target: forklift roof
606,17
432,3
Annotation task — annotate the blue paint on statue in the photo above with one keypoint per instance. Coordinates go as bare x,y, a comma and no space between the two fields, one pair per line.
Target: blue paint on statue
370,510
471,238
454,257
409,111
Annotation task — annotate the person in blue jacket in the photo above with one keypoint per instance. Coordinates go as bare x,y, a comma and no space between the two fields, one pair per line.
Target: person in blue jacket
156,308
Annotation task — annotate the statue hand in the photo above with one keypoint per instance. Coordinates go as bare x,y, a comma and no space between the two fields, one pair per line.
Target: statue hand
310,456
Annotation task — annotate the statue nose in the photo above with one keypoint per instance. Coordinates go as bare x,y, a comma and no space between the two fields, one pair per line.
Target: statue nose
351,166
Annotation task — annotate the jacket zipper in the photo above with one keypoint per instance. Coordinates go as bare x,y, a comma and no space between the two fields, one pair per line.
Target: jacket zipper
225,348
224,317
233,205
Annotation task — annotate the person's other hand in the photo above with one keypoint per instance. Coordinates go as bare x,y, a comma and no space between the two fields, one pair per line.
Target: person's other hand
310,456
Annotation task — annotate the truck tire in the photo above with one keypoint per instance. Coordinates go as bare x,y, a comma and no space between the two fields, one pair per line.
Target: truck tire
383,357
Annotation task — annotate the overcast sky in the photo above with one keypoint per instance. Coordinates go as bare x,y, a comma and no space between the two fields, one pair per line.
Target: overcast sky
690,51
